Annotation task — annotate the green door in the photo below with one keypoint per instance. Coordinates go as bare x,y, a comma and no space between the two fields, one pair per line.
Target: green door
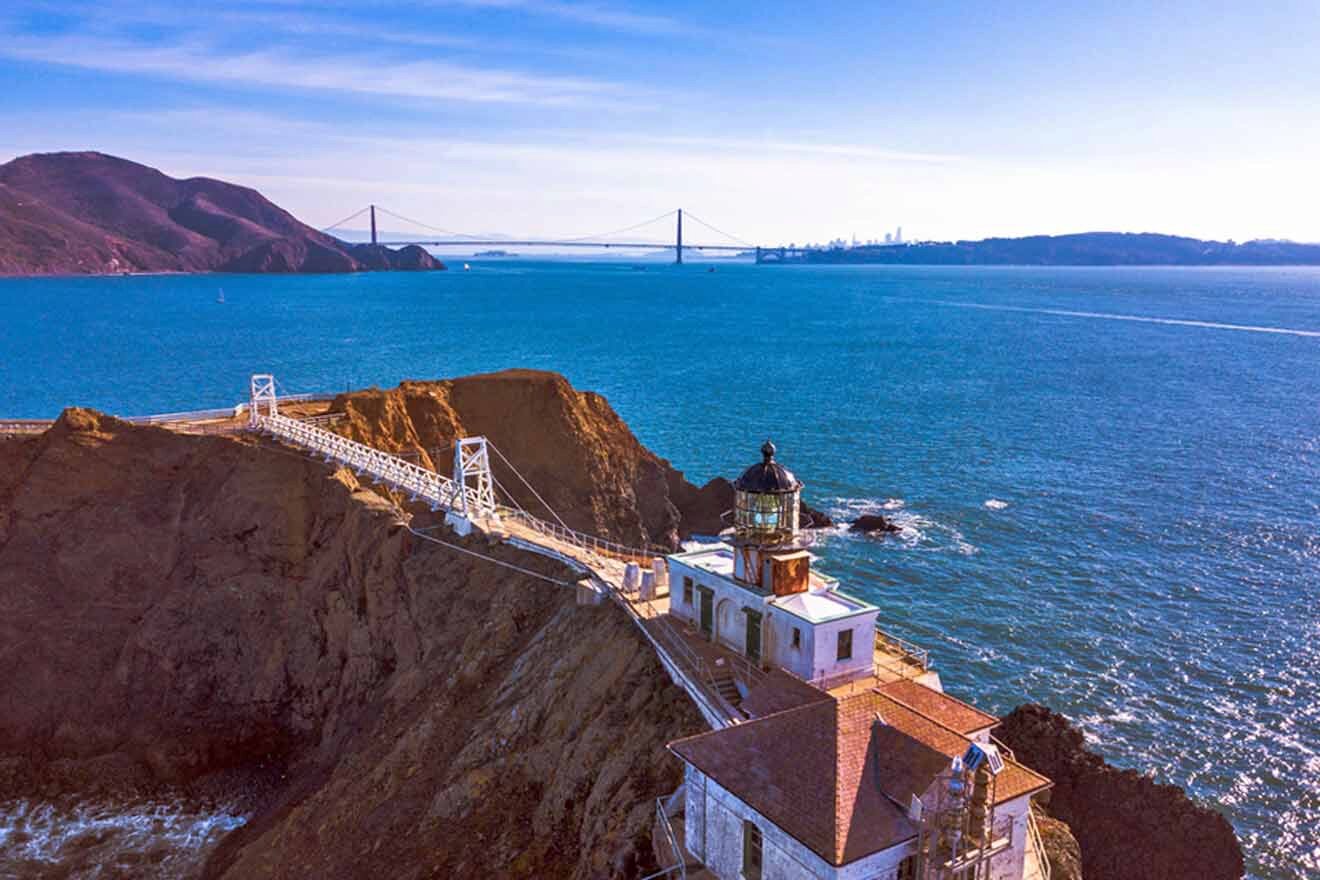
707,610
753,636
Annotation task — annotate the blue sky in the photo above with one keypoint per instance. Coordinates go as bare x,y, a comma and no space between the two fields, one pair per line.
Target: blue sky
778,121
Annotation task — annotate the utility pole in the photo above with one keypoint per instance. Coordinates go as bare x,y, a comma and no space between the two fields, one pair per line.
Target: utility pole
373,224
678,250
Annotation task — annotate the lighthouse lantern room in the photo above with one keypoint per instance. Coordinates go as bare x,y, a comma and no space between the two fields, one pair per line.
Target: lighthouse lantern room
767,553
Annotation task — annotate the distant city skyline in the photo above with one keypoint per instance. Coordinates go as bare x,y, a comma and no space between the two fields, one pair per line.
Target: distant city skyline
556,118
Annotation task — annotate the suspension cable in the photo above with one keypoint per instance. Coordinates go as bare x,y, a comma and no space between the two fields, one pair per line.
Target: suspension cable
624,229
426,226
517,568
728,235
346,219
519,475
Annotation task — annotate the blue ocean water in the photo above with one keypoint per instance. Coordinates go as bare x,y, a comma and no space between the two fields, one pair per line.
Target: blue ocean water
1111,502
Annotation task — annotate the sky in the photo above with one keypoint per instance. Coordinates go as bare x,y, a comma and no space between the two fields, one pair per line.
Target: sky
774,121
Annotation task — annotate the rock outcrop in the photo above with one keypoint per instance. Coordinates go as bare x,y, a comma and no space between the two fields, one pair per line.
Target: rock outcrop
569,444
873,524
177,609
1129,826
89,213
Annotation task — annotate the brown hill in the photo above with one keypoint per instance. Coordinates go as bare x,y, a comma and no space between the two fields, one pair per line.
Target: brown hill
92,213
175,609
569,444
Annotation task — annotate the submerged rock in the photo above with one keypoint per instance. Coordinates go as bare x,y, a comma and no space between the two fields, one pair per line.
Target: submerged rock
873,524
1129,827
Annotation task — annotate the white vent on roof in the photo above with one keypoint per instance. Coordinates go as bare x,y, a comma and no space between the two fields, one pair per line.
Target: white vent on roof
914,809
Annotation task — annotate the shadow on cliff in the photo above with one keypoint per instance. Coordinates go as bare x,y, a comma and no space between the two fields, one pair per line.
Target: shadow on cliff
183,612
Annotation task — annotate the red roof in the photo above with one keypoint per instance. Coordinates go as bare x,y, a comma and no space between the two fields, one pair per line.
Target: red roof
834,775
948,711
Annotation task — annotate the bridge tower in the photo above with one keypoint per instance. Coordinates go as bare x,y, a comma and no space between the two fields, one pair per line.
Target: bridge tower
262,392
678,248
472,460
373,224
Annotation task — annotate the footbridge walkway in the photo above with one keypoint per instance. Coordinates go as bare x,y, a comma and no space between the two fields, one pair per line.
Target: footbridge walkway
469,503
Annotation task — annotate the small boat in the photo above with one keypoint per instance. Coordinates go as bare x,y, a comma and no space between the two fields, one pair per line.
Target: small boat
467,268
220,297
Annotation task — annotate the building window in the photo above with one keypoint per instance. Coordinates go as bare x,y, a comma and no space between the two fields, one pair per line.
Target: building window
797,639
751,868
845,645
907,869
687,591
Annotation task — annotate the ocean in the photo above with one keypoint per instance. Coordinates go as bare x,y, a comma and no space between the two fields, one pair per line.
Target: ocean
1108,479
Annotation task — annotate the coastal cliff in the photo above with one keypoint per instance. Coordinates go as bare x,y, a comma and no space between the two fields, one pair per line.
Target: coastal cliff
177,609
89,213
571,445
1128,826
223,617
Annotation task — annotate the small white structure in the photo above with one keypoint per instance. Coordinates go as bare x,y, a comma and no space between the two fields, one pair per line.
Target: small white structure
759,596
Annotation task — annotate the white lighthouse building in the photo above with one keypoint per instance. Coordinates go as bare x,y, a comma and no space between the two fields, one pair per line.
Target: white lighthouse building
758,595
848,761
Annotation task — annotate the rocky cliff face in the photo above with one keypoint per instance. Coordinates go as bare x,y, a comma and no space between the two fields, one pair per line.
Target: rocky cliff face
1129,827
570,445
93,213
176,609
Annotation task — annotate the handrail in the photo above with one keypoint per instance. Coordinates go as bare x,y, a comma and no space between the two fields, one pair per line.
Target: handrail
1033,832
906,649
663,819
403,475
582,540
25,426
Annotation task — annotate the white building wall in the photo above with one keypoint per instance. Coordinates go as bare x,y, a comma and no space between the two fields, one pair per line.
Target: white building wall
825,662
720,815
729,624
779,637
1010,865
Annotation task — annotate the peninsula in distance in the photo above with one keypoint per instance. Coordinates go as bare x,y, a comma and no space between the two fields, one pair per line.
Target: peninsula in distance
91,214
88,213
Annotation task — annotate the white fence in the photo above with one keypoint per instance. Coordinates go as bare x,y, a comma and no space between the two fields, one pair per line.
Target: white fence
404,476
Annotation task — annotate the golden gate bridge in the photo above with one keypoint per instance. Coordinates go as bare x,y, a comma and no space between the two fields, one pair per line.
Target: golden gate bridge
448,238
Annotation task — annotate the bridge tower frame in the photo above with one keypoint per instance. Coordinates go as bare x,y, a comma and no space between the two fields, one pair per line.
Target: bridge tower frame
472,459
262,391
678,244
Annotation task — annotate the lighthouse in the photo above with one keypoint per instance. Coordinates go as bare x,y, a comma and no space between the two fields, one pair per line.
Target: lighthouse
757,594
766,538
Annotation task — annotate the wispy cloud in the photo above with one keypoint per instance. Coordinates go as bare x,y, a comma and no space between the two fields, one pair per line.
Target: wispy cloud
295,69
612,17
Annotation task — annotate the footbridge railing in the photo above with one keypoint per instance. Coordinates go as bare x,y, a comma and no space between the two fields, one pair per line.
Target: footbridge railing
581,540
404,476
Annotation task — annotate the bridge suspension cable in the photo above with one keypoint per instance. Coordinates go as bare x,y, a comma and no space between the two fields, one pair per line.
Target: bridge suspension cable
426,226
346,219
624,229
717,230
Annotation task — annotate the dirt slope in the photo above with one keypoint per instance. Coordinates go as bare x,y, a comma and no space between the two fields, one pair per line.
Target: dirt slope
176,609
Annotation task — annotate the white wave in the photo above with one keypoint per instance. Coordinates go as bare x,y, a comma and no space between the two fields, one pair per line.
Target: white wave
995,504
101,831
1144,319
914,530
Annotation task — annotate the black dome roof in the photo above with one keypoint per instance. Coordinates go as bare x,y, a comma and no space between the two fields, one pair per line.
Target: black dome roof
767,476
